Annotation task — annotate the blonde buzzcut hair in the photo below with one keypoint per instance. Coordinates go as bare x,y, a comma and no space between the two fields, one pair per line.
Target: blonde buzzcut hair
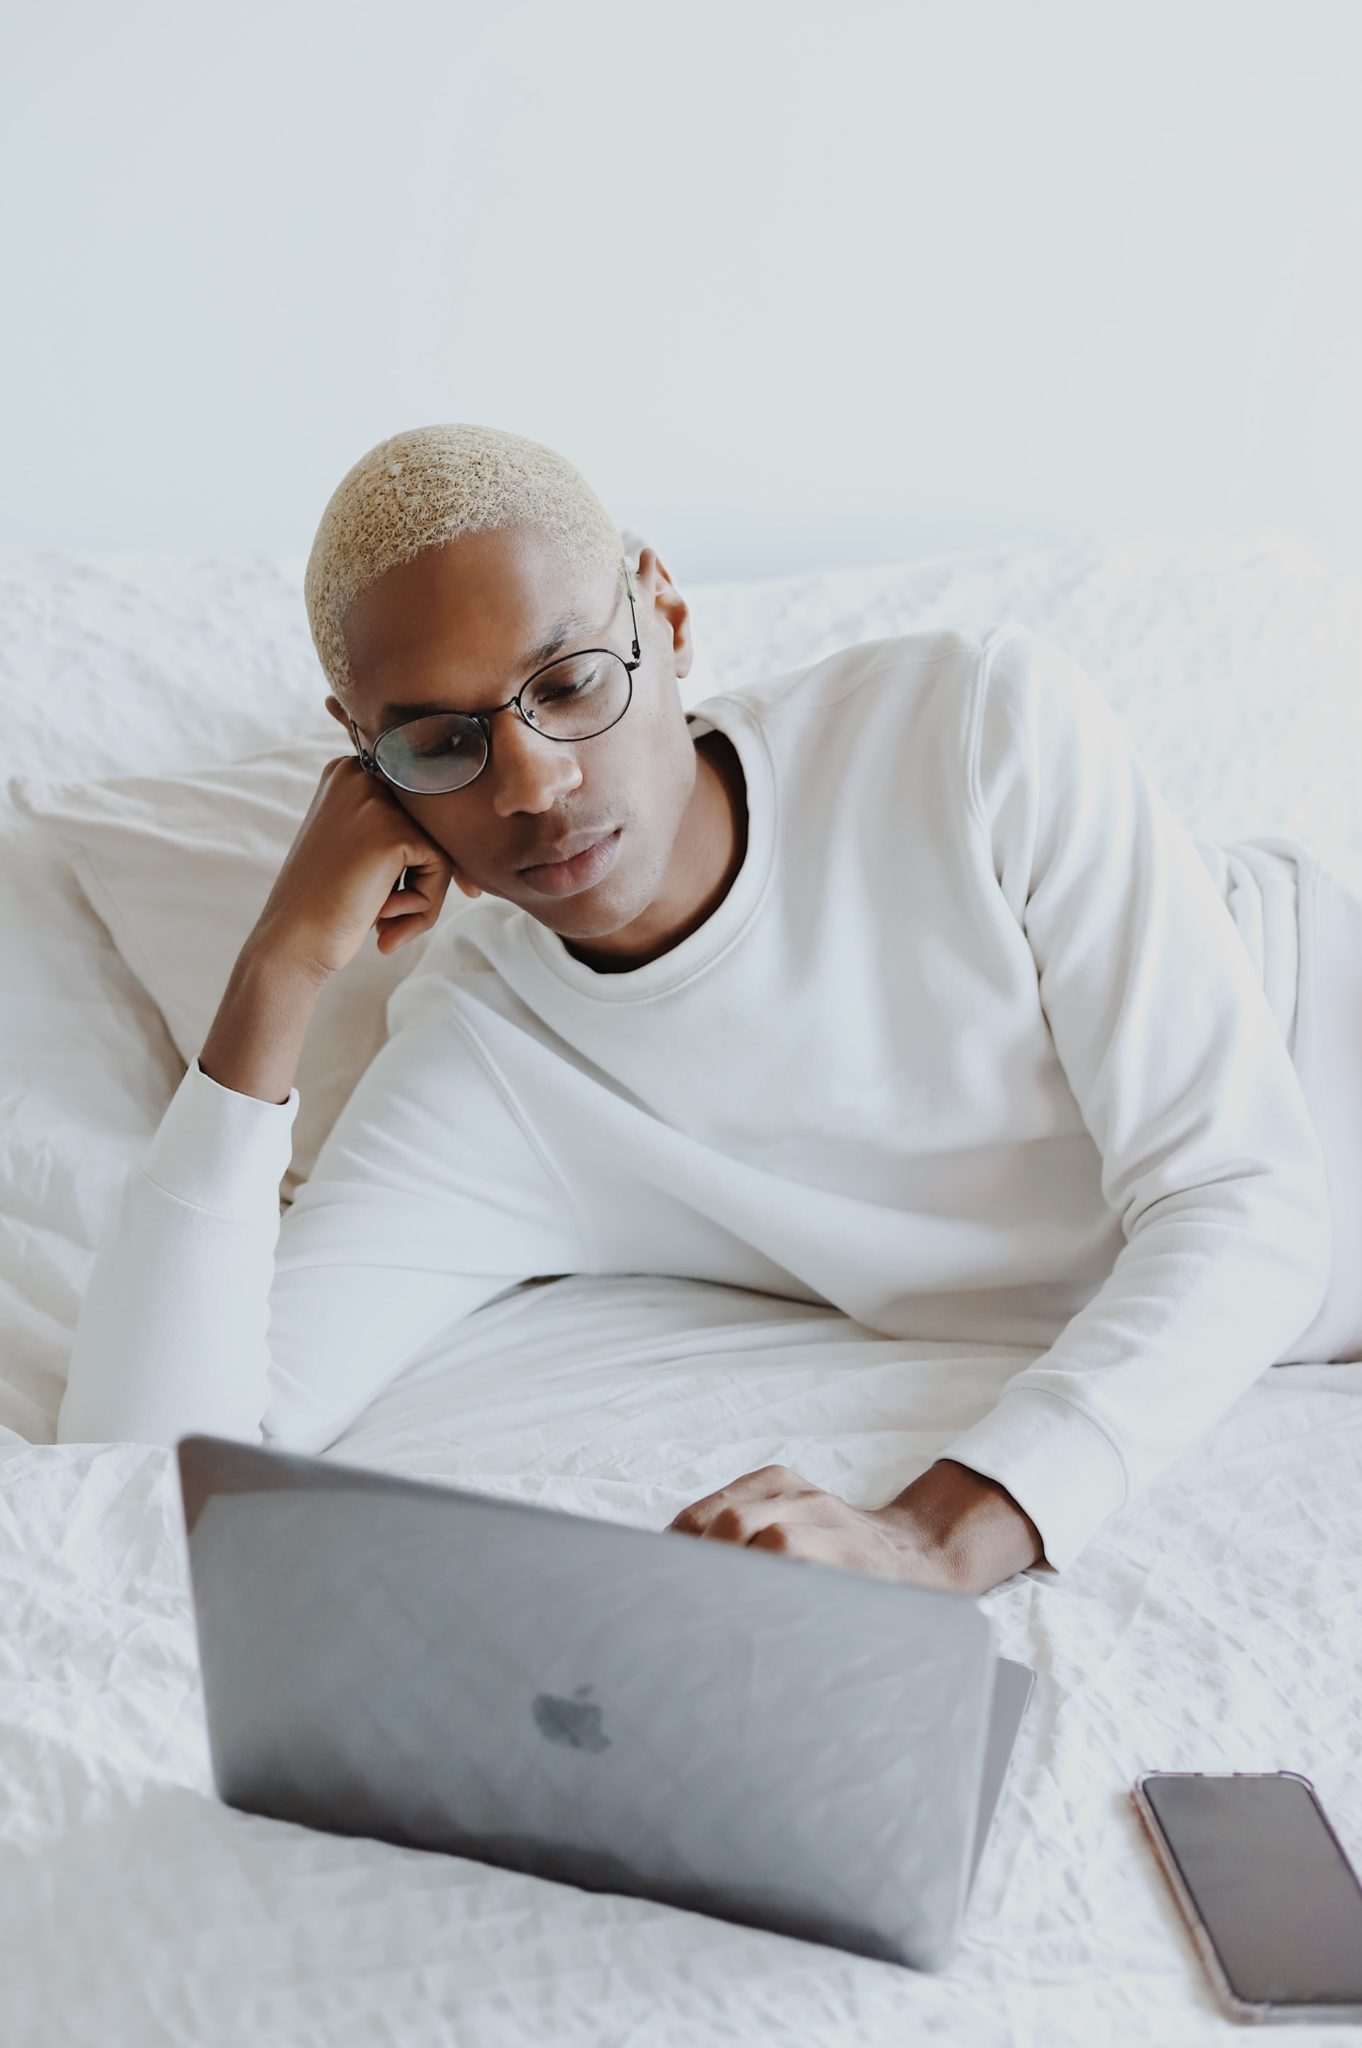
427,486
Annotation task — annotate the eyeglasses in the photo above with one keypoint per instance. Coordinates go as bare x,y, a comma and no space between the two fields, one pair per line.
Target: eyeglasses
575,697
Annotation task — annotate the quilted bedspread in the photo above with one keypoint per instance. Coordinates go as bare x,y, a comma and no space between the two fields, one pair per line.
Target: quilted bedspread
1215,1624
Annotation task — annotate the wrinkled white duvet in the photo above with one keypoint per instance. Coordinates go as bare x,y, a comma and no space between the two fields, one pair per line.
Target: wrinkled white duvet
1215,1624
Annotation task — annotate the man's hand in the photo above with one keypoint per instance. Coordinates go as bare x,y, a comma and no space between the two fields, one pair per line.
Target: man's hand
952,1529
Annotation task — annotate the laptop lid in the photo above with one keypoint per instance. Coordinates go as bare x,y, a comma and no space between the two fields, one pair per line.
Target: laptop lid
621,1709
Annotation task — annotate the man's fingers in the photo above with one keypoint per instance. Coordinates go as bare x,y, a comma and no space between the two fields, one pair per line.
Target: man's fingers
726,1519
427,885
766,1483
744,1521
409,912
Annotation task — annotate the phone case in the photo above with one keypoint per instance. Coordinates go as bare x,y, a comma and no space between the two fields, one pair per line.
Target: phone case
1237,2008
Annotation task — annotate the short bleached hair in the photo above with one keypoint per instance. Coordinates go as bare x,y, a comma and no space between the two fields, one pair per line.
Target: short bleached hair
425,487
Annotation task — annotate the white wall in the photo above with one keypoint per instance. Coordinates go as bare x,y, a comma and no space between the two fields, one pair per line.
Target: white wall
792,284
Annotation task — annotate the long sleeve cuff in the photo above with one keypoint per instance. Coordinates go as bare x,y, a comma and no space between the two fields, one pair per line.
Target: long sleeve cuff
1060,1468
217,1149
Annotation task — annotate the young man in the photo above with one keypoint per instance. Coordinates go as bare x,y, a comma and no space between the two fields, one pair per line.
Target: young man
890,982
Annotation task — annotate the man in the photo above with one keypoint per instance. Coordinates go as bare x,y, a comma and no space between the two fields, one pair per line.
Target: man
891,982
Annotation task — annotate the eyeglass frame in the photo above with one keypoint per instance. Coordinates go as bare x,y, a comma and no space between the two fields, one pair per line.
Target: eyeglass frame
372,766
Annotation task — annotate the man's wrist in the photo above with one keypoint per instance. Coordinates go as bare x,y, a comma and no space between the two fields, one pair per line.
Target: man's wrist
968,1524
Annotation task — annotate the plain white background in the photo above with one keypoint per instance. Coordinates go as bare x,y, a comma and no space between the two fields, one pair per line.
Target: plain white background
794,285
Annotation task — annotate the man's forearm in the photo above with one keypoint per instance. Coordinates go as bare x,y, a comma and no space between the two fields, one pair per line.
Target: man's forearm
256,1039
971,1522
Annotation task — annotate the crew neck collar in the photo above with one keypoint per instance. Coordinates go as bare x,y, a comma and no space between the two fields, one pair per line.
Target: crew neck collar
728,714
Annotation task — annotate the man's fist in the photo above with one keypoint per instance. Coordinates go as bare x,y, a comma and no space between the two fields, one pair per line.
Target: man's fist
775,1509
953,1529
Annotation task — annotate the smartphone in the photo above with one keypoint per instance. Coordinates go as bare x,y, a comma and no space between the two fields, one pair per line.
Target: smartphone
1273,1904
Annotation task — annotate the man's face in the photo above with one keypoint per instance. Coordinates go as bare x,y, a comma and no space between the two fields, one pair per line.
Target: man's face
460,628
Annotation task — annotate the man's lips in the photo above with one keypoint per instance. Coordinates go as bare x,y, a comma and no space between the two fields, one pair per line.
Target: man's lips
568,849
578,871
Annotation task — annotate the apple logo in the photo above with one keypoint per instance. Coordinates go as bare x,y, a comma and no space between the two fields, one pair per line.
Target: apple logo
576,1721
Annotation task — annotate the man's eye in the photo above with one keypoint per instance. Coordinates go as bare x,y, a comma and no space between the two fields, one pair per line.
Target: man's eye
446,742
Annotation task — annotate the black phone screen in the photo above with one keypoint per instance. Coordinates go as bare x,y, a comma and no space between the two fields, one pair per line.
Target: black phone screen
1273,1888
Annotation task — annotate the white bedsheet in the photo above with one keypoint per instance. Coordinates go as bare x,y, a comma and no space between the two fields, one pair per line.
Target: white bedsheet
1214,1624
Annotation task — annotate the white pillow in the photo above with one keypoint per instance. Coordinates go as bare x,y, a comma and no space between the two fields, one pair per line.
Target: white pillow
178,867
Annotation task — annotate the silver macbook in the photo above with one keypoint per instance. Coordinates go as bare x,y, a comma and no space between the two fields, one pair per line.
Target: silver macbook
803,1749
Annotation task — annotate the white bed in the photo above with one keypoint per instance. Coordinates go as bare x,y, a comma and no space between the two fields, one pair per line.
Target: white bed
1214,1624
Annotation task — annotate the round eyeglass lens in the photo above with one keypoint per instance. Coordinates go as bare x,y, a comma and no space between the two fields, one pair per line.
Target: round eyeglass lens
572,699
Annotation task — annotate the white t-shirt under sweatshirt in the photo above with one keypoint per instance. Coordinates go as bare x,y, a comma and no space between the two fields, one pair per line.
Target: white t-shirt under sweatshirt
970,1050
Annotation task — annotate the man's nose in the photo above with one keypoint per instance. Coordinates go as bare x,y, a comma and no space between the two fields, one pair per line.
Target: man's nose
529,771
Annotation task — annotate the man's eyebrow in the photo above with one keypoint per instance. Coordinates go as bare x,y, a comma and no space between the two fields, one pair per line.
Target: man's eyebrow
533,658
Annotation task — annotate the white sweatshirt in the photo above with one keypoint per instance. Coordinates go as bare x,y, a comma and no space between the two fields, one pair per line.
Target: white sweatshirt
970,1050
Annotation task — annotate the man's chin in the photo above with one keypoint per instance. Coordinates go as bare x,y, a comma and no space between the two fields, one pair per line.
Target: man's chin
595,914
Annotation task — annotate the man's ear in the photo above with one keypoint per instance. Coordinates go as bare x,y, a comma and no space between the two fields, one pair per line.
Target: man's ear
338,712
668,600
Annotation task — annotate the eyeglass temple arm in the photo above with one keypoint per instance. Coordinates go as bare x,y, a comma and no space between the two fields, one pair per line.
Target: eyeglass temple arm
629,591
366,759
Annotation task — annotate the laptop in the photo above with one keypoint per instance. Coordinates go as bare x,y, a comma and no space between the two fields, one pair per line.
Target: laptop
799,1748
